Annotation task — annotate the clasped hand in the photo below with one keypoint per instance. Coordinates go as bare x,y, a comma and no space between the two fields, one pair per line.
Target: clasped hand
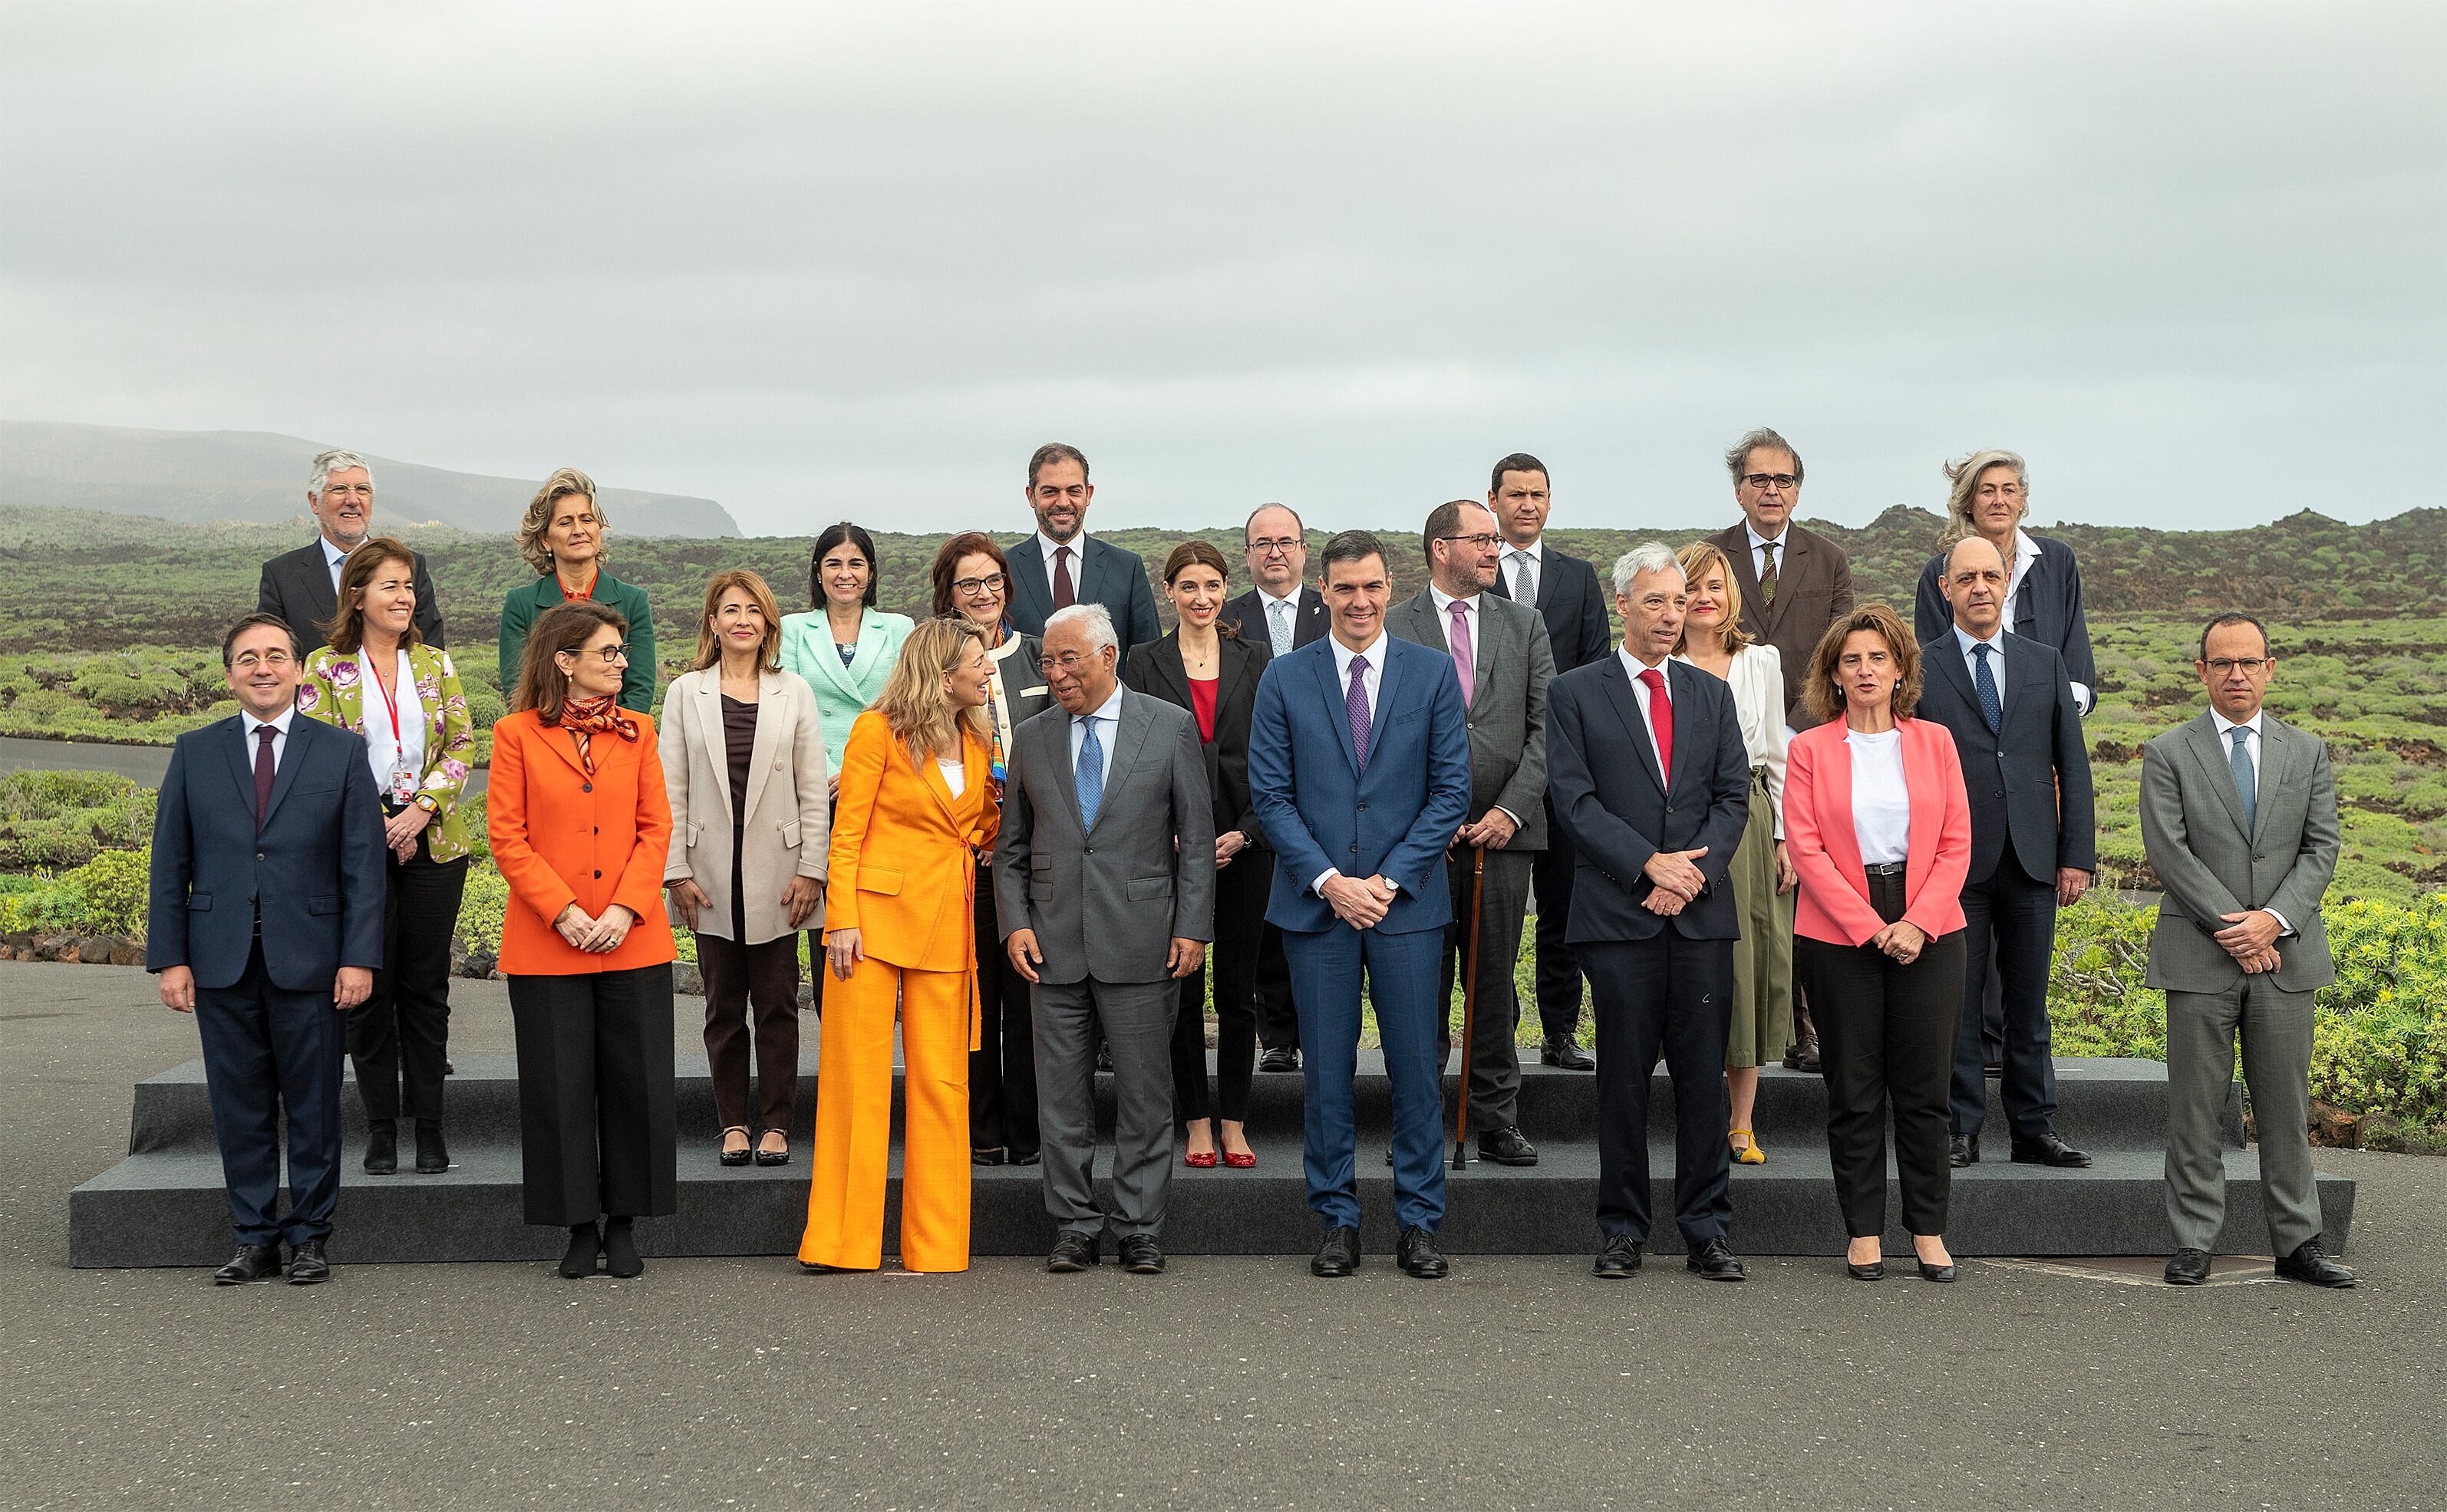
596,936
1359,901
1678,880
400,831
1902,941
2251,937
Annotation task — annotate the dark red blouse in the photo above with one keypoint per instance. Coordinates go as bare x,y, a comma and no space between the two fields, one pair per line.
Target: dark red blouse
1201,703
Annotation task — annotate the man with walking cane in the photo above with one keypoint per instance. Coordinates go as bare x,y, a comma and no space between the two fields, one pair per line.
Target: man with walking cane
1502,664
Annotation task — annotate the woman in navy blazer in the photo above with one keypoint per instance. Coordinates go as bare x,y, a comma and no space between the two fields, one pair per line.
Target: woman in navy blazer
1991,494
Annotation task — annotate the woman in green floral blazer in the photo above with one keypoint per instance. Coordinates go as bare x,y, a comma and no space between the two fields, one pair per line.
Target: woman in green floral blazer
376,679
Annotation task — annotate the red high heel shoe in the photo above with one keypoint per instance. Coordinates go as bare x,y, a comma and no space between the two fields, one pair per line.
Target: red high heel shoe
1241,1162
1199,1163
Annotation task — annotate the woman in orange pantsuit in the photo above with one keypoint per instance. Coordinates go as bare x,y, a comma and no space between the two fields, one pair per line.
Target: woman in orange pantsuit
913,809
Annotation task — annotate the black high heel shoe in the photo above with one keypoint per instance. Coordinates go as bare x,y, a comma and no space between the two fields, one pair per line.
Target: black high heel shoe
1874,1270
1936,1273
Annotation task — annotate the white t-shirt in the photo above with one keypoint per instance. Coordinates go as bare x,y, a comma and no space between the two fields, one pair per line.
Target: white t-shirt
1881,802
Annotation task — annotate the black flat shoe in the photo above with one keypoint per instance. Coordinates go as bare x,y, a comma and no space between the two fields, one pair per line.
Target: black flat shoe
620,1258
1714,1260
740,1156
1874,1270
1618,1259
1418,1256
1338,1254
586,1248
2049,1150
1936,1273
2188,1268
382,1148
2310,1265
1073,1251
432,1156
766,1157
1141,1254
307,1266
252,1262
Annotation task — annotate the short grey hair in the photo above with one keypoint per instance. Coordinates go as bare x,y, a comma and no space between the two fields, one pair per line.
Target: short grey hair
1737,460
1094,619
328,463
1648,557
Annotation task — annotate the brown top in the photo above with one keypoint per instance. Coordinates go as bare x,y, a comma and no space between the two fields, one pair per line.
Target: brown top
739,744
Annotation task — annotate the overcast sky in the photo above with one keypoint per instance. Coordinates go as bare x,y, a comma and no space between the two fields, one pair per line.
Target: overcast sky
858,261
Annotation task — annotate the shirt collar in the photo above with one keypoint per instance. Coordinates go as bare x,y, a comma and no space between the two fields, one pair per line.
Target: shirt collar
2224,724
1077,543
1110,708
1535,551
1995,642
1757,541
1270,596
1634,666
1344,655
1444,601
278,722
333,555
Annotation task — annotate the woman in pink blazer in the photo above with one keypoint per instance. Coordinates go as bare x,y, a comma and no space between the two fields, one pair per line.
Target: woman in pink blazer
1879,828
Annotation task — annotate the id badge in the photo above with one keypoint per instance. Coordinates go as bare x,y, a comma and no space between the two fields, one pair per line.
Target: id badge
403,785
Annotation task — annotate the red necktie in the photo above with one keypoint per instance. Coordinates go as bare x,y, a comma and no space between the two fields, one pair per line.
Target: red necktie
263,734
1064,594
1661,721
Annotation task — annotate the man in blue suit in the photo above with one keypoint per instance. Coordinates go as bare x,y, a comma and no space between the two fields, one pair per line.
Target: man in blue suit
1359,773
267,924
1060,565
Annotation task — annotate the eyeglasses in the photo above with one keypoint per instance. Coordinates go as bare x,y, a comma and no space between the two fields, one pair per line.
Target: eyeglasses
1474,543
990,583
612,655
249,661
1070,661
1783,483
1271,544
2248,665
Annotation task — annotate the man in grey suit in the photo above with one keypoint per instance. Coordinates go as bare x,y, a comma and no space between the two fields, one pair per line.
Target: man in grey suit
1105,888
1501,654
302,586
2239,813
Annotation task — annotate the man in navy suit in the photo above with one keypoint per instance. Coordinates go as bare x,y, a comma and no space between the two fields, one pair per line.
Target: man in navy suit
267,924
1359,773
1060,566
1645,759
2016,725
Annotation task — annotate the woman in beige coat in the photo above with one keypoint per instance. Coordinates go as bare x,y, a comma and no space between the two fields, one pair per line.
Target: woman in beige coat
744,759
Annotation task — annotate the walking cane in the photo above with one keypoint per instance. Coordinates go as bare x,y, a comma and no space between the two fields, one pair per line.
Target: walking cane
1468,1009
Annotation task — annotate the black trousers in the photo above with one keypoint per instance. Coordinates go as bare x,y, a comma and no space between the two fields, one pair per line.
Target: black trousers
2010,937
598,1118
1677,995
1002,1069
1242,889
767,978
1277,1014
1886,1040
401,1033
1494,1061
1559,970
271,1053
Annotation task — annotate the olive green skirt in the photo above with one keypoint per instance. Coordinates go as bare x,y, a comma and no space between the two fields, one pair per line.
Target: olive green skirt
1763,957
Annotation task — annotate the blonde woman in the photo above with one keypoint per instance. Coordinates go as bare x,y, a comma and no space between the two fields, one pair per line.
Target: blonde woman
1713,641
1988,495
562,536
913,808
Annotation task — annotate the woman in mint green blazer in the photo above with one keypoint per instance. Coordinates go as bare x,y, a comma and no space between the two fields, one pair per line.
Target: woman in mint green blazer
562,538
845,647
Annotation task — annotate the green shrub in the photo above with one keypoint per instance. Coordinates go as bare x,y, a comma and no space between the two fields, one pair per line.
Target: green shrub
482,908
2379,1043
65,819
2096,1002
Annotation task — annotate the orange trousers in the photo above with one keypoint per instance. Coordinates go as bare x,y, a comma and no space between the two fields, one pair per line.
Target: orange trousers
853,1143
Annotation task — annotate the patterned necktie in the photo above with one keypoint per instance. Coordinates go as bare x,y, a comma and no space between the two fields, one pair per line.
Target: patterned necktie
1354,708
1992,708
1464,657
1524,591
1089,781
1065,591
1279,624
2247,782
1767,573
263,734
1661,720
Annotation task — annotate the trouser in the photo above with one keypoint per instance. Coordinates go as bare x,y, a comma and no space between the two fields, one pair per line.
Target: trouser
853,1144
1002,1069
1401,975
1559,968
2010,924
1277,1014
764,975
1673,995
270,1053
1494,1074
1136,1021
1241,892
2275,1028
401,1033
1886,1039
598,1123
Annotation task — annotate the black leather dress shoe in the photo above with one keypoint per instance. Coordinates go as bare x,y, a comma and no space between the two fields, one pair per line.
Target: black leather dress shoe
1961,1150
1714,1260
382,1148
1029,1158
1338,1254
307,1264
996,1156
1280,1058
1617,1258
1074,1251
1418,1256
2310,1265
432,1156
2049,1150
1507,1146
1104,1055
2188,1268
252,1262
1567,1055
1141,1254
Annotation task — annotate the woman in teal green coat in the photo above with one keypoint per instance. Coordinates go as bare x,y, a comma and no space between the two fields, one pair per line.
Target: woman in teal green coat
562,538
845,647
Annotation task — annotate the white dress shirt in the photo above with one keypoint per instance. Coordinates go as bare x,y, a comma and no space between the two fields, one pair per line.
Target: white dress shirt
1756,678
381,753
1369,681
956,774
1078,545
1108,715
1758,549
2259,789
332,558
2026,552
1535,554
1633,667
1881,798
279,735
1965,640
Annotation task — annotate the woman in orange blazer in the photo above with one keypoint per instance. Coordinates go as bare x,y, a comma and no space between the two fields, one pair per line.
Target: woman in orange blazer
581,826
1878,826
914,808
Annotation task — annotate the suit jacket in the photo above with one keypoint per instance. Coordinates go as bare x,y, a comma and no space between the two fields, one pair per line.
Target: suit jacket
1580,628
1108,900
2192,822
843,692
297,586
1620,810
1247,614
903,861
333,691
562,835
314,873
1826,850
2029,782
1107,576
1507,713
1322,810
1814,589
2047,608
521,606
1156,669
1019,688
787,825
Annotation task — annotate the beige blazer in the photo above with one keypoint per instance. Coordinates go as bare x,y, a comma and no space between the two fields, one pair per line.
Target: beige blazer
788,827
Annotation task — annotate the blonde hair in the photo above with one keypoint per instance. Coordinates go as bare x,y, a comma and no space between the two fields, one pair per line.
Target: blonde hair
1695,559
708,645
914,704
1964,477
537,519
1820,695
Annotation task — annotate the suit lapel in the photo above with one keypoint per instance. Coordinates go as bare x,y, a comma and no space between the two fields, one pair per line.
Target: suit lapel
1169,666
318,584
1028,580
1331,687
1738,551
2276,748
1788,570
1680,682
2202,735
1947,653
1229,671
1388,677
1130,734
710,729
303,733
1057,735
1627,708
241,762
773,716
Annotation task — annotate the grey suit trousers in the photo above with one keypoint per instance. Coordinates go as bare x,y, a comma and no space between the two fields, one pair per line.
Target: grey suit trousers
1495,1058
1137,1021
2275,1026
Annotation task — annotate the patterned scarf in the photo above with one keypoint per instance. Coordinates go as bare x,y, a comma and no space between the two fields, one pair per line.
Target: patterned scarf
594,716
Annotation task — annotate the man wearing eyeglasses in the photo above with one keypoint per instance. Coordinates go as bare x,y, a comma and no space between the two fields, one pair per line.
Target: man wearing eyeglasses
302,586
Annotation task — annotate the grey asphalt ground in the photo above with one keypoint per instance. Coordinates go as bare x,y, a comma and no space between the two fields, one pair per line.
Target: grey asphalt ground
1226,1383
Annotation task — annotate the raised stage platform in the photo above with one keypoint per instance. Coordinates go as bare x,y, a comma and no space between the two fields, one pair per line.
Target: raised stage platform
164,1205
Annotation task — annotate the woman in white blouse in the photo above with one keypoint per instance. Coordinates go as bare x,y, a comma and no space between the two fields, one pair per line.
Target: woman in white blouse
1713,641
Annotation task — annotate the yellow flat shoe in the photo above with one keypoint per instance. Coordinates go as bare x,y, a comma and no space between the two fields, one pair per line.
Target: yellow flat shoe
1746,1149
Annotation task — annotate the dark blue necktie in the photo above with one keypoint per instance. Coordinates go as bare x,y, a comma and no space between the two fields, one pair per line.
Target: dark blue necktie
1992,708
2247,782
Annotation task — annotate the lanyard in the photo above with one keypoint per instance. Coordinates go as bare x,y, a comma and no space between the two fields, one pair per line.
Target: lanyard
391,701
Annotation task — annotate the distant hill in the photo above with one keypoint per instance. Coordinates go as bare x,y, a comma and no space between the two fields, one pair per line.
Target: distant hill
197,475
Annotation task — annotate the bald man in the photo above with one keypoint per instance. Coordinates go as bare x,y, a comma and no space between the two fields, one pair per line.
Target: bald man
2009,704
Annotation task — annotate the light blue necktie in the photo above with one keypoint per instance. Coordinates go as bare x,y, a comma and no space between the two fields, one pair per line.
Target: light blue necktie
1088,779
1992,708
2247,783
1278,626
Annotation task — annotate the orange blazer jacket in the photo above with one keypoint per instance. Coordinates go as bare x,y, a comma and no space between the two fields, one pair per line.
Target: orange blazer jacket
1834,902
904,851
562,838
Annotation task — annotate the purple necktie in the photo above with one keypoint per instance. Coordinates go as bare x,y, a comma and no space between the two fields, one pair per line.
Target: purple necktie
1465,660
263,734
1354,708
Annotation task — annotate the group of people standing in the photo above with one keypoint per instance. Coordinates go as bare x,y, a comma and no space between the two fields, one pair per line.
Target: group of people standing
1764,821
